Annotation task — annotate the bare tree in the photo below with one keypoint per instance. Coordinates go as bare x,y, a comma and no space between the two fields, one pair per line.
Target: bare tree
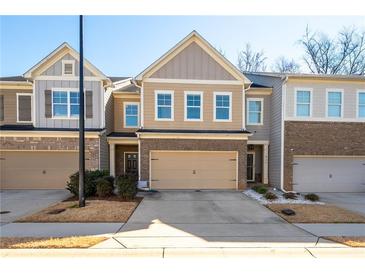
283,64
249,60
344,54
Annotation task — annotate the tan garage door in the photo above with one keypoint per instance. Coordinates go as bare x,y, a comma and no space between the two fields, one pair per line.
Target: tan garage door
36,170
193,170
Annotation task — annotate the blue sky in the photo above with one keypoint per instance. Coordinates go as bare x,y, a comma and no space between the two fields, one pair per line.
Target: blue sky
125,45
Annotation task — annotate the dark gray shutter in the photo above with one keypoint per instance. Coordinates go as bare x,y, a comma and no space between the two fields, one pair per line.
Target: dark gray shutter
24,108
1,107
48,103
89,103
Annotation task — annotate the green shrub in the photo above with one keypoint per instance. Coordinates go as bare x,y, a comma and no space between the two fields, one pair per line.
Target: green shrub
91,176
260,189
104,188
109,179
127,186
312,197
270,196
290,195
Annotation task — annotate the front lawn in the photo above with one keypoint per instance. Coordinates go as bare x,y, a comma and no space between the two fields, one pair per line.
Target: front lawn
108,210
349,241
315,213
64,242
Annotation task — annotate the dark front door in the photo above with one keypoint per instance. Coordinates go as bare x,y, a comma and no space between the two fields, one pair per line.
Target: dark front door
131,163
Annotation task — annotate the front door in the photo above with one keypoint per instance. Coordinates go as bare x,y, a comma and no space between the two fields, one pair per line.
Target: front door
131,163
250,166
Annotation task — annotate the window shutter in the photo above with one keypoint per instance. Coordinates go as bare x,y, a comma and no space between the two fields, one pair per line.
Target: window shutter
48,103
1,107
89,104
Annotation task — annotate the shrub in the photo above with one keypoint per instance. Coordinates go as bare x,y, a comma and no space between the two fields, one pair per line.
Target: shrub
104,188
91,176
312,197
270,196
260,189
127,186
290,195
109,179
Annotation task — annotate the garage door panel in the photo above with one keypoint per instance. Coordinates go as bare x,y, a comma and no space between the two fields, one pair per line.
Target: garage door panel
193,170
329,174
37,170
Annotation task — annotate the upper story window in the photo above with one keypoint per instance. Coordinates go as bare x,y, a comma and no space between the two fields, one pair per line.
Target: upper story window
303,103
68,67
254,111
334,104
24,107
131,114
193,106
222,106
65,104
164,105
361,104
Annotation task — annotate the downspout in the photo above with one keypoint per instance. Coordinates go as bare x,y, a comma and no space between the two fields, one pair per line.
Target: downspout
244,104
283,103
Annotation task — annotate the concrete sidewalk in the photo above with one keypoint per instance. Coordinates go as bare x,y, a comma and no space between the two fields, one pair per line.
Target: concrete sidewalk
320,230
59,229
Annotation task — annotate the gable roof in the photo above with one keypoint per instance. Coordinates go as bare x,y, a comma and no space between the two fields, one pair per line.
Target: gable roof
194,36
67,49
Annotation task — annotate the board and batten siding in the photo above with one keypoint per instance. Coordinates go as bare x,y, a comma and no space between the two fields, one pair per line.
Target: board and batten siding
208,109
319,92
97,99
275,125
193,63
56,68
260,132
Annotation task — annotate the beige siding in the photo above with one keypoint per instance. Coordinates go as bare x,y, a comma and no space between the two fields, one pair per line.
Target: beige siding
10,105
208,103
119,114
193,170
193,63
319,96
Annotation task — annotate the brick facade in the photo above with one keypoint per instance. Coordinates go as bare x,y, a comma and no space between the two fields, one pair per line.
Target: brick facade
53,143
320,138
203,145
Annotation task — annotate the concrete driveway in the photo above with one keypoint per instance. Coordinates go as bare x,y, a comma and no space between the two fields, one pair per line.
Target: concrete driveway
25,202
186,219
351,201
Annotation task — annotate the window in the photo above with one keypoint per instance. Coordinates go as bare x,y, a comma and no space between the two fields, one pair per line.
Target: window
222,106
68,67
303,103
65,104
131,118
24,107
334,104
164,102
254,108
193,106
361,104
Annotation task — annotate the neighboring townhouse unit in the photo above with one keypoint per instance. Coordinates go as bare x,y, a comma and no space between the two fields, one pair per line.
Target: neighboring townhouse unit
39,122
317,131
181,123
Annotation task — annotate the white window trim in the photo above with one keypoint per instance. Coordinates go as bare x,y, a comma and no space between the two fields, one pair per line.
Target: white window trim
64,62
310,102
214,106
342,102
186,93
125,104
17,107
68,90
261,100
358,103
171,92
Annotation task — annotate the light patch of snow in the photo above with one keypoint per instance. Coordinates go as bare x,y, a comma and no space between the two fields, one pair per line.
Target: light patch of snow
280,200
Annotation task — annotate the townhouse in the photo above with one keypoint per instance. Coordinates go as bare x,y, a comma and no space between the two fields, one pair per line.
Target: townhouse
191,120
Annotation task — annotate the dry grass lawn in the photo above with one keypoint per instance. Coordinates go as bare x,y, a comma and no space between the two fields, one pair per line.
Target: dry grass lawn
349,241
95,211
317,214
64,242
